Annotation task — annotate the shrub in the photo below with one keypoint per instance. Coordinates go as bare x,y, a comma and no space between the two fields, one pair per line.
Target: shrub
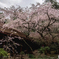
3,52
31,56
44,49
22,53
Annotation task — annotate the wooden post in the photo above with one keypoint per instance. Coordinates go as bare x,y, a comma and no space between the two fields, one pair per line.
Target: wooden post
8,55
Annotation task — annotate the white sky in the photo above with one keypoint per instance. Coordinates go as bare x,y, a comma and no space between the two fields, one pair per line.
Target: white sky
22,3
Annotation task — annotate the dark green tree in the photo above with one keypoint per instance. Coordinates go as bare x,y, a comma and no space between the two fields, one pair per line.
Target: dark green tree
50,1
55,4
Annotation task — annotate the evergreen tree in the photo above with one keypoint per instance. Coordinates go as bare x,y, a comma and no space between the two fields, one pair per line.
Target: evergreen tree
55,4
50,1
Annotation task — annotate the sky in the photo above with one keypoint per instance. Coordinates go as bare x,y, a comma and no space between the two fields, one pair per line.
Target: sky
22,3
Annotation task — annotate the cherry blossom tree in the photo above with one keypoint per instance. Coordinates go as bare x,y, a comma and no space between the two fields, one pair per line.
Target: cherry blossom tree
38,18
